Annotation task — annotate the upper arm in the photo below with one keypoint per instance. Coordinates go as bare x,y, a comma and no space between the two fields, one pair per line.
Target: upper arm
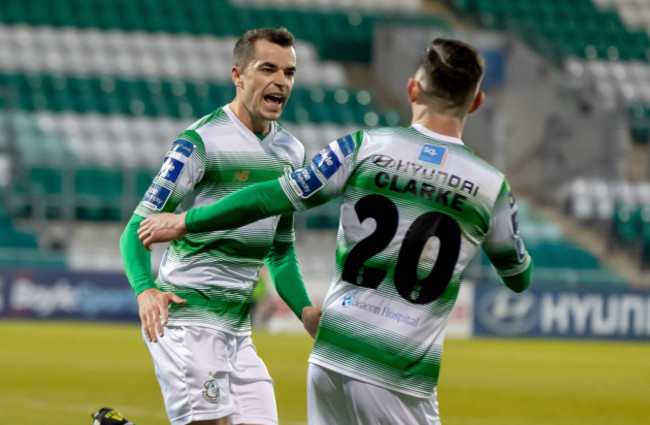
324,177
503,244
182,169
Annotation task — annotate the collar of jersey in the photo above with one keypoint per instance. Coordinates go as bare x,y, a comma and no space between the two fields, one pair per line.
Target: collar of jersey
422,129
245,129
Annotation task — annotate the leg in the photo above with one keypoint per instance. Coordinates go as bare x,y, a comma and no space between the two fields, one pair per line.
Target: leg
193,368
326,399
252,388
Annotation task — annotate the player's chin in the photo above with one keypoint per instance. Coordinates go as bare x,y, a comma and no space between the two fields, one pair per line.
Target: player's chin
273,113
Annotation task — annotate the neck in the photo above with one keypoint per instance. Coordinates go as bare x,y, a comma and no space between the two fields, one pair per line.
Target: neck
442,124
256,124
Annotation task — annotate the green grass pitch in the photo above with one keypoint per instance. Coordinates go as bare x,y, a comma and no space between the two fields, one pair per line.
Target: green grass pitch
58,373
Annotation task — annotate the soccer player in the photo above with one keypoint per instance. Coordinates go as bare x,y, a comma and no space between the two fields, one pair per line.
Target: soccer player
206,363
418,205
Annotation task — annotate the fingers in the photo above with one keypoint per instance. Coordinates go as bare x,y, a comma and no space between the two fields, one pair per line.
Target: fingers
177,300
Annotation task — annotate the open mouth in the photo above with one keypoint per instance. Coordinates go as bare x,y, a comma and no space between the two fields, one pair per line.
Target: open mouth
274,98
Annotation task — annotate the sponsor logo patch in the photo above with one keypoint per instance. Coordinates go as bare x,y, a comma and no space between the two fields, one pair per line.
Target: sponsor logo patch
346,143
521,250
327,162
183,147
305,182
435,155
511,200
515,223
171,169
156,196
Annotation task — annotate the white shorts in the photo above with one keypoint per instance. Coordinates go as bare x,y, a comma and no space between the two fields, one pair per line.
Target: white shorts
207,374
333,398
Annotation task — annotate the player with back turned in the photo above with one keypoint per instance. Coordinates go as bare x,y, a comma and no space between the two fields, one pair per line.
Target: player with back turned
418,205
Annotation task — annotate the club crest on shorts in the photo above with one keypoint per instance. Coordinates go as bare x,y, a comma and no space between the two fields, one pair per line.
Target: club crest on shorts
211,391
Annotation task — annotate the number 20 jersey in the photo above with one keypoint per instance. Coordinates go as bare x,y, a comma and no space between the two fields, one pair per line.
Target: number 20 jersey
417,207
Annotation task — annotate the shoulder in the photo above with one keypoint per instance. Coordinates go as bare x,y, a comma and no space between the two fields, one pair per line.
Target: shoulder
217,117
288,141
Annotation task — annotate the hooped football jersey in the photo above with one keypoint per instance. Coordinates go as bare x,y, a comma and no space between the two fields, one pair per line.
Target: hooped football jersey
216,271
417,207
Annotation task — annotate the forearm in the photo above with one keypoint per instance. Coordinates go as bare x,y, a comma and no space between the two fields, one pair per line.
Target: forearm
519,283
135,257
286,276
240,208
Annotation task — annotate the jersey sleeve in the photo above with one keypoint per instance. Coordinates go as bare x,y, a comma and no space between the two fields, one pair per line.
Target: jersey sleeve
183,167
503,244
324,177
321,180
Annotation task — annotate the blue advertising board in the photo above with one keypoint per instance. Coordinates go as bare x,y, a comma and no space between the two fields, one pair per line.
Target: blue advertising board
599,312
66,295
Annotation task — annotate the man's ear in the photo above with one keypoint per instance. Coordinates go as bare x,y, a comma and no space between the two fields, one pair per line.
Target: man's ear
413,89
478,101
237,75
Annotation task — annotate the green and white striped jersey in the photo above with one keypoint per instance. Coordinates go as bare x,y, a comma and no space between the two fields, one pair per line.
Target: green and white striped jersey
216,271
417,207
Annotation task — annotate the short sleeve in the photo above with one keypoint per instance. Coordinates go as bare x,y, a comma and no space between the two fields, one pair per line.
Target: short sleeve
182,168
325,176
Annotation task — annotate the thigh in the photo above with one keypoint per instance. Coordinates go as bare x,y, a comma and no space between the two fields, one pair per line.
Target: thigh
326,400
333,398
193,369
251,387
373,405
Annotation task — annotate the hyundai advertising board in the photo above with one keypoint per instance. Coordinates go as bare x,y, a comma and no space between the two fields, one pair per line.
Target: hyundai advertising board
599,313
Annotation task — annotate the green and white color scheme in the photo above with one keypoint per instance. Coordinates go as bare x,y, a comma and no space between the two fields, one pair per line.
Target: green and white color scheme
216,271
417,207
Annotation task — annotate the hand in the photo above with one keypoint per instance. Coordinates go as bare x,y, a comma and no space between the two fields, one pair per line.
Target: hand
162,227
154,311
310,319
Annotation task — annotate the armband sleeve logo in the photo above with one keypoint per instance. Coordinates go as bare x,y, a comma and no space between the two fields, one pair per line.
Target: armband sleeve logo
346,144
156,196
327,162
182,146
305,182
171,169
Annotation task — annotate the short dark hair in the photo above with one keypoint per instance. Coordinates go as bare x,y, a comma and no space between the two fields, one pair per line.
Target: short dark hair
244,51
453,70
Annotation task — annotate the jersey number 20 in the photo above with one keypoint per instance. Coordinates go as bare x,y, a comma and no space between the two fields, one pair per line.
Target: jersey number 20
407,282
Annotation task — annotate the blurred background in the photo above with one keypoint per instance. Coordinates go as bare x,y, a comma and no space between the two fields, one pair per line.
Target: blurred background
92,93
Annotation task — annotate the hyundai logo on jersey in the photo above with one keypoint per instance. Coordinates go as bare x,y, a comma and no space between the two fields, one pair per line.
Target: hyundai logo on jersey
305,182
326,162
183,147
435,155
156,197
346,143
171,169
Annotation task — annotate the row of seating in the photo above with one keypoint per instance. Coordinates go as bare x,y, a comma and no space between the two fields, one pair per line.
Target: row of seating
178,99
573,28
338,35
620,210
588,41
138,54
635,13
